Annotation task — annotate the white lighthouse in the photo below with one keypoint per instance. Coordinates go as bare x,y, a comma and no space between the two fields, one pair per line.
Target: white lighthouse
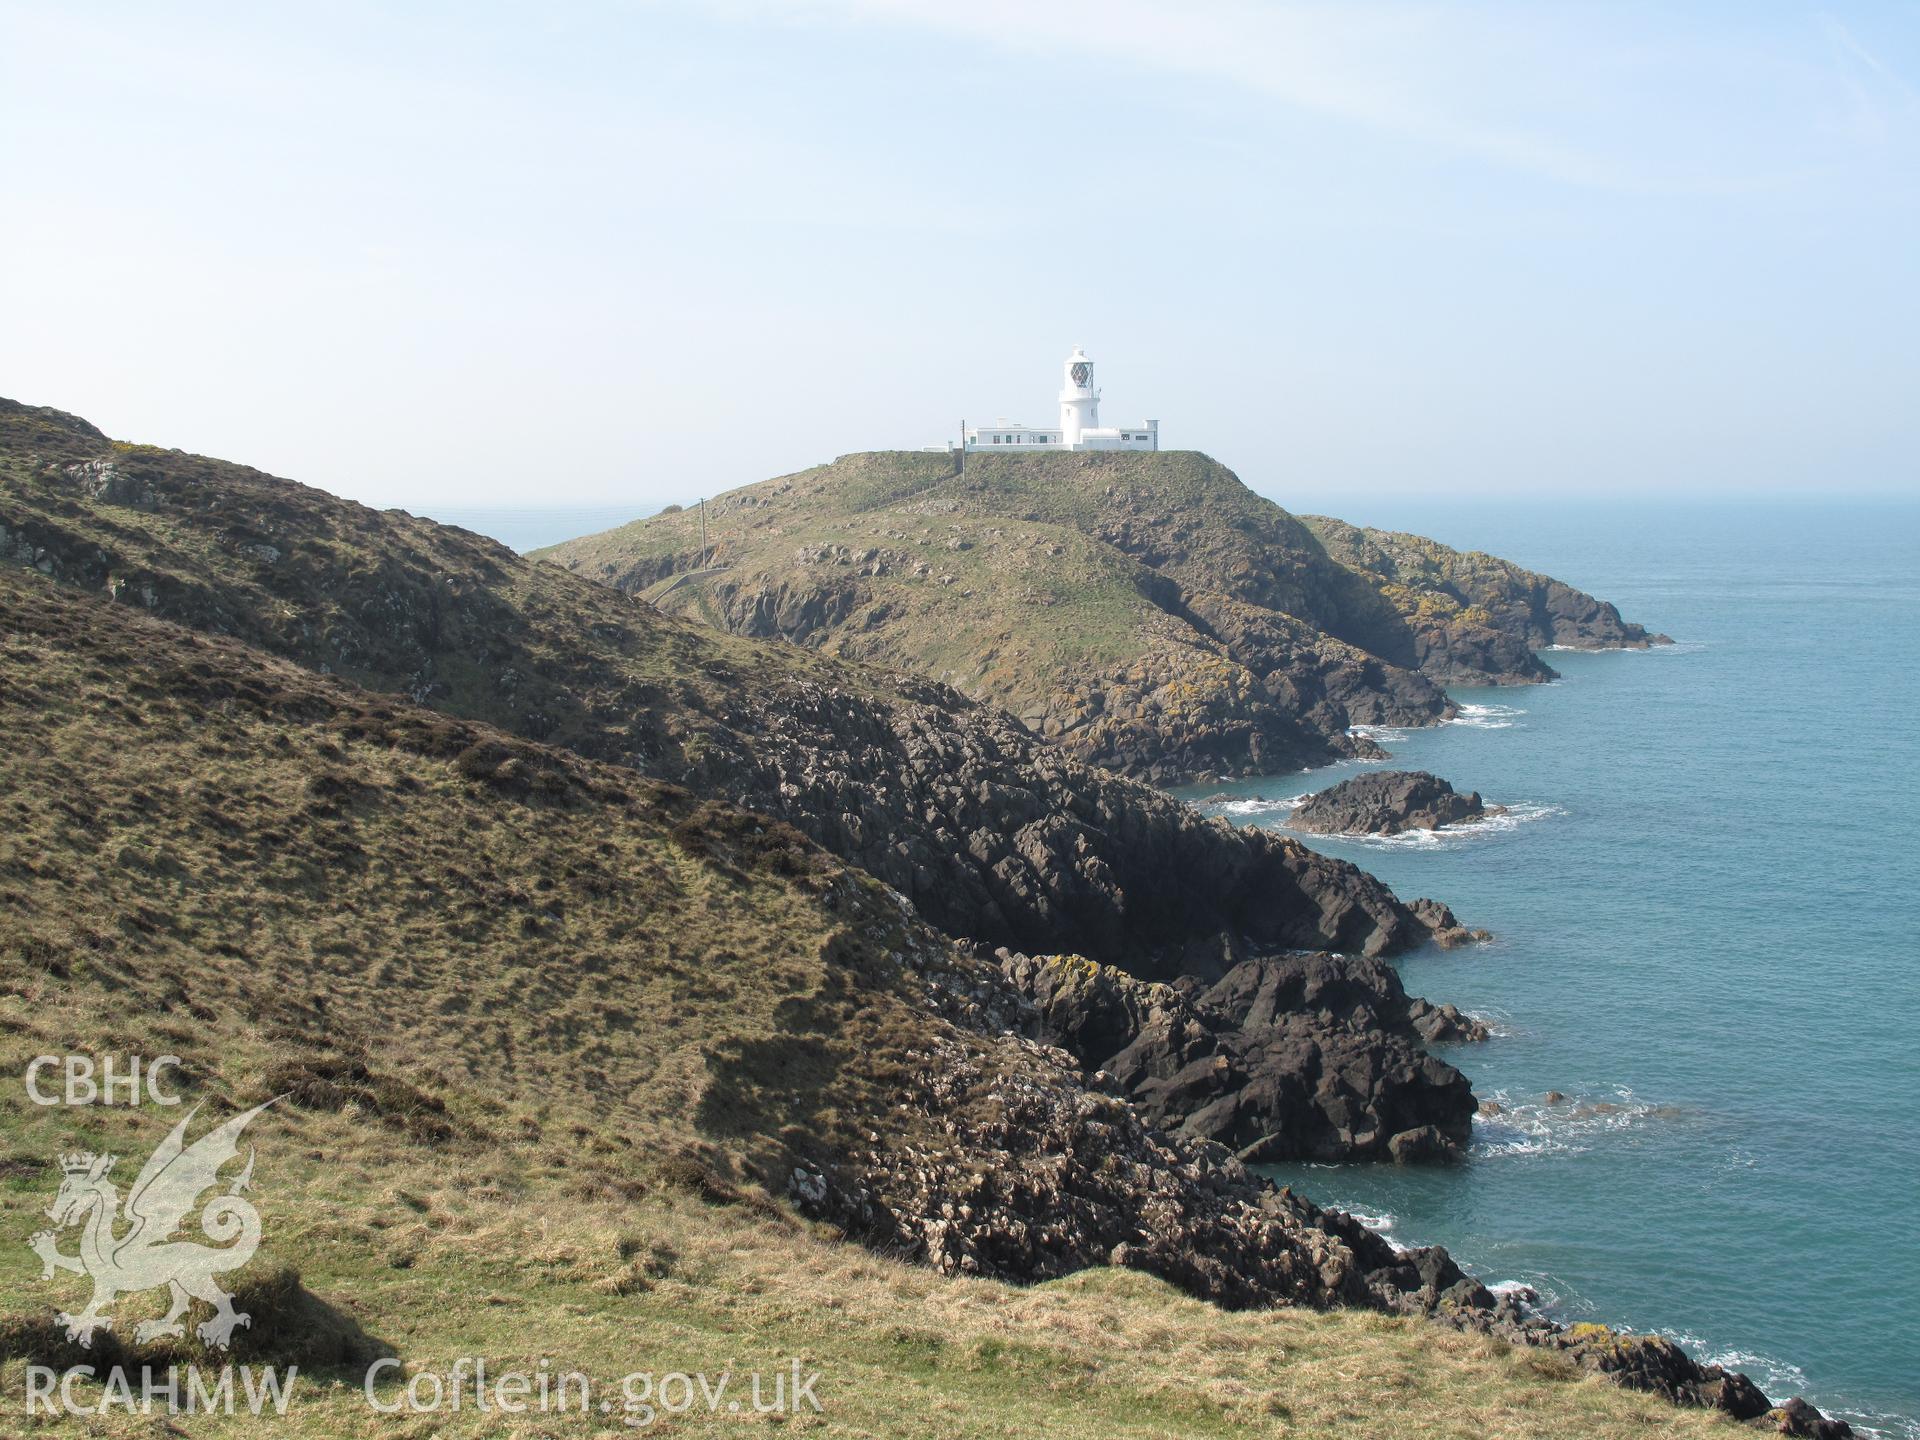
1080,427
1079,401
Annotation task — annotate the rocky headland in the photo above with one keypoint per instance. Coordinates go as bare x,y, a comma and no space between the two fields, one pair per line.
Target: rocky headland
1388,802
1057,1167
1468,618
1144,612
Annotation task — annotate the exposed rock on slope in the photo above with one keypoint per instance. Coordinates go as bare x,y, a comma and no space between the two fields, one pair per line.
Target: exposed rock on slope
992,834
1301,1057
1040,1176
1146,612
1387,802
1466,618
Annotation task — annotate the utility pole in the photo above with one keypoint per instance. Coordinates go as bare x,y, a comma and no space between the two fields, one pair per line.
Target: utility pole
963,445
703,532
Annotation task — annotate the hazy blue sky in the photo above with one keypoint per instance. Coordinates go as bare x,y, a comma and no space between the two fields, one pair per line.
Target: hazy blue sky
626,253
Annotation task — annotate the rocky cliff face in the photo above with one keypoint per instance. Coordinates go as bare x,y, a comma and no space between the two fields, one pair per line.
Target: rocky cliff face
1466,618
1387,802
1298,1057
1145,612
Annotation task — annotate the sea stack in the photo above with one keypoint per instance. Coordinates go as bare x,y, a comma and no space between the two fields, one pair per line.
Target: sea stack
1388,802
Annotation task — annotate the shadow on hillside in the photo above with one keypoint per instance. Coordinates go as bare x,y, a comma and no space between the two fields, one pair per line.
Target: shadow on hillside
289,1326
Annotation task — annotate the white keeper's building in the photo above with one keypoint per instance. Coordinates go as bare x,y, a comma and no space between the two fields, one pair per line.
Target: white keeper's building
1080,427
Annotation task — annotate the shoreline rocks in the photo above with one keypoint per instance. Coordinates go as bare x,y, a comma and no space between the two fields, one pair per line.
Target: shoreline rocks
1465,618
1443,928
1041,1169
1388,802
1293,1057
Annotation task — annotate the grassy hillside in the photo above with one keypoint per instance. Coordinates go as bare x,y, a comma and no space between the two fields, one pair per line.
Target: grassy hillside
545,1029
992,834
1146,612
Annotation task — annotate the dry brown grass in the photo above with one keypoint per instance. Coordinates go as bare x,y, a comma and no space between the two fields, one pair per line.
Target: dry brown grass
533,1020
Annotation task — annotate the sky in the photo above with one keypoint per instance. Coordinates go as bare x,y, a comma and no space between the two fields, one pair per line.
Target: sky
462,255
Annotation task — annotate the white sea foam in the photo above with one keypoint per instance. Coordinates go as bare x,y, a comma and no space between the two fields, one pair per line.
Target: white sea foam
1520,812
1381,1225
1774,1376
1380,734
1781,1378
1569,1127
1510,817
1678,647
1871,1424
1487,717
1254,805
1550,1292
1534,1295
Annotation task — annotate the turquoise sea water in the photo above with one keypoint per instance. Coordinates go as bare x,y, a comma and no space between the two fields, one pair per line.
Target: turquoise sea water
1706,910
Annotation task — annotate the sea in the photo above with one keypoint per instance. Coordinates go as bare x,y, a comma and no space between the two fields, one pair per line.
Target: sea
1705,897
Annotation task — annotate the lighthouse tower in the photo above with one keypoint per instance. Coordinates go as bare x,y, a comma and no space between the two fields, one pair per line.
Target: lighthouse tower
1079,422
1079,401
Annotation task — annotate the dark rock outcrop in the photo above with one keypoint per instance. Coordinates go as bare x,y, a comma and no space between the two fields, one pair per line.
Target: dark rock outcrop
1387,802
1448,933
1650,1363
1046,1176
1043,1170
1295,1057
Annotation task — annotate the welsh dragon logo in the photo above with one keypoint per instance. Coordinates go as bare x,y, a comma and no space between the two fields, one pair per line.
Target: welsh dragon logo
146,1256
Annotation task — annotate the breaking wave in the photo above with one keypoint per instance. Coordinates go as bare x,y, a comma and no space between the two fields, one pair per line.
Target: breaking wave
1380,734
1521,812
1568,1126
1487,717
1251,804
